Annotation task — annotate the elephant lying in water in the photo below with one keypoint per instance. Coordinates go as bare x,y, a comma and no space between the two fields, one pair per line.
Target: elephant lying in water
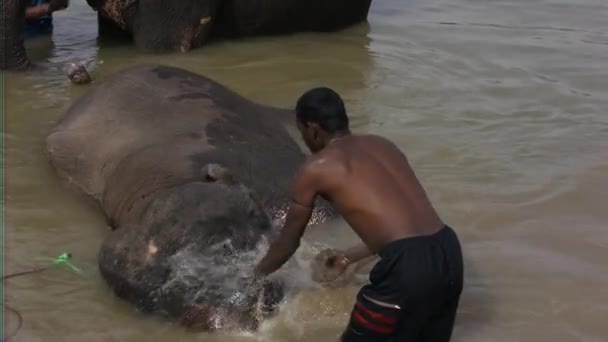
190,176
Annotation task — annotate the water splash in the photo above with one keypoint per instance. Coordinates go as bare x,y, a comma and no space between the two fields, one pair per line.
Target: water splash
219,272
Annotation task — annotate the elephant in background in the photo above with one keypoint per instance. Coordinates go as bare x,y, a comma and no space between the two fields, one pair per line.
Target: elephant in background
164,26
161,25
192,178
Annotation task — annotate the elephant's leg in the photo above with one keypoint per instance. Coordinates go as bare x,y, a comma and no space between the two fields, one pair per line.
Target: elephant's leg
162,26
109,31
12,53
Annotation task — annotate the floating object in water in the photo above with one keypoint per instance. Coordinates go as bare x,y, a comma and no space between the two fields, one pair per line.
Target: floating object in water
77,73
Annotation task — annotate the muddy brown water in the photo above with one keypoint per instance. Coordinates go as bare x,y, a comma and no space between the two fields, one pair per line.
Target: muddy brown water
502,107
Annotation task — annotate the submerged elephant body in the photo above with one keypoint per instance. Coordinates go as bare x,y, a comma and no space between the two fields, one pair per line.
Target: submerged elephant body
190,176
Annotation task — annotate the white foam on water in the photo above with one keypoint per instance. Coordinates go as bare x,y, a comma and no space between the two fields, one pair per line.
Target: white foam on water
220,274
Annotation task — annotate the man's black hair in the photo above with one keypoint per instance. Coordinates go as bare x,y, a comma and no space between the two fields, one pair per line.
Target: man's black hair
324,107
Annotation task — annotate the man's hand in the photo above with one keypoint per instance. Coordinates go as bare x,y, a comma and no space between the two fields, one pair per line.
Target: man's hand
335,268
338,262
329,265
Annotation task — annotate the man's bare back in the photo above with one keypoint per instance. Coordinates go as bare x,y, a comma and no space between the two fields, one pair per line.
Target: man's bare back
372,185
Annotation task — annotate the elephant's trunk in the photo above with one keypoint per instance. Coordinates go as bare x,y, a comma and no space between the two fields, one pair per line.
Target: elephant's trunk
13,55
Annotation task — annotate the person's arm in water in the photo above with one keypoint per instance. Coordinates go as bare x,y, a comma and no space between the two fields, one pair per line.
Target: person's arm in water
357,253
353,255
287,242
36,11
45,9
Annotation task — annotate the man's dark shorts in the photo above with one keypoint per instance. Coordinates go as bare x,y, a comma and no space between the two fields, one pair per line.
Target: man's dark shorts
414,292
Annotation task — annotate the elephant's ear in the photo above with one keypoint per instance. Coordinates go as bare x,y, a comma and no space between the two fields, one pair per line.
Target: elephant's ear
217,173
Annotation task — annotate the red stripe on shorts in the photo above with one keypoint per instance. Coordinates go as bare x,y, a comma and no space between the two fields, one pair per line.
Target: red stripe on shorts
375,315
371,326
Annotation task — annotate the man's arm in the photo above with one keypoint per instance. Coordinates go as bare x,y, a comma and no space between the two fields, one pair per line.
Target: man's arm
357,253
36,11
304,191
288,241
42,10
349,257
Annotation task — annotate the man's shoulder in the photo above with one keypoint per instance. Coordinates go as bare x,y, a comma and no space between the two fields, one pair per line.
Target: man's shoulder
321,164
314,162
375,137
379,141
330,157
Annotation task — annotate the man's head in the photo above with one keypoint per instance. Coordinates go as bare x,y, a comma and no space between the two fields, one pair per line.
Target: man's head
321,116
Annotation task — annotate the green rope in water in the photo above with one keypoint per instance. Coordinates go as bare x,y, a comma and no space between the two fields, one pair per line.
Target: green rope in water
63,259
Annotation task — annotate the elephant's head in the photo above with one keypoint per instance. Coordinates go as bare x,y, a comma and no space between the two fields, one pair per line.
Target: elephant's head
193,255
13,55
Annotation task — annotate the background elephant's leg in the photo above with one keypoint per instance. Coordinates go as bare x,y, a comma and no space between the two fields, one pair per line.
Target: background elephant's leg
110,32
162,26
12,54
336,15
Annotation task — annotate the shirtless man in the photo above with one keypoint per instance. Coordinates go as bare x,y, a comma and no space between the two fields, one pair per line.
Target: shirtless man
415,288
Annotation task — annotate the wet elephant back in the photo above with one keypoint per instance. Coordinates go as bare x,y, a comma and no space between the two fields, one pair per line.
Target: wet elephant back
146,106
146,173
